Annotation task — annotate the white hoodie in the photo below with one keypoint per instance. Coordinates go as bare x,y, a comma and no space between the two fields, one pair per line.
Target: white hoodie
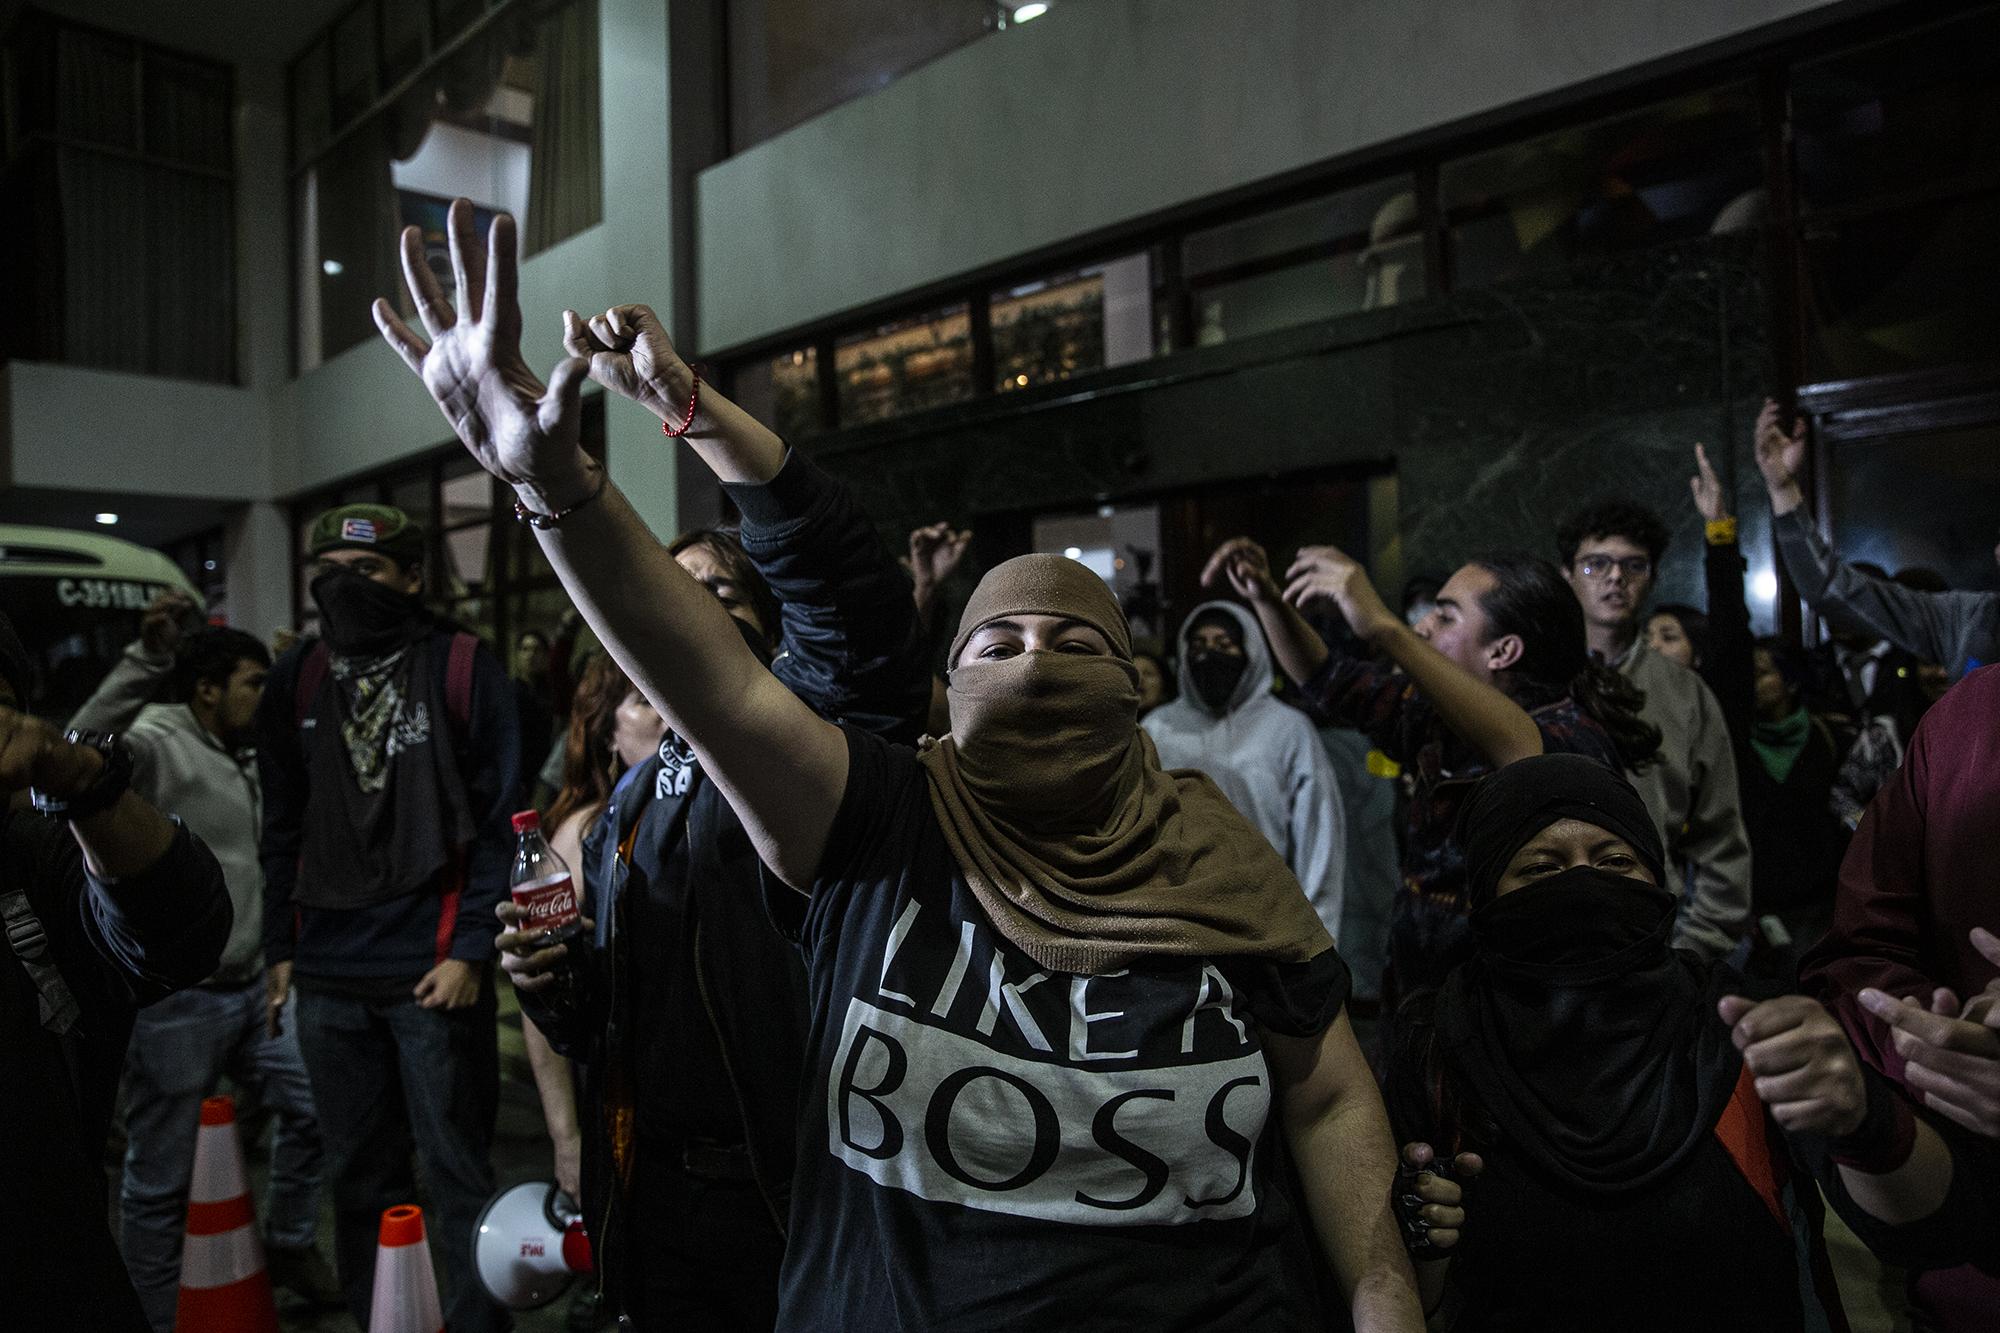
1268,761
180,769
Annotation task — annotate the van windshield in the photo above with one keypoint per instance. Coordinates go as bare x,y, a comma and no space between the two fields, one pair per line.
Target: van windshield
74,628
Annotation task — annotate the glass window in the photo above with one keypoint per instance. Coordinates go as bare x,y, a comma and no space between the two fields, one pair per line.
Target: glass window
412,495
510,121
1900,116
467,498
1358,249
312,104
468,559
97,88
125,250
353,63
188,112
904,367
1061,326
1929,500
1902,290
402,38
1671,171
782,392
789,60
451,17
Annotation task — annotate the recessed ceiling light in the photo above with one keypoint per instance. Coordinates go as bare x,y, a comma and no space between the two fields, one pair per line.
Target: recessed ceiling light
1033,10
107,519
333,268
1073,552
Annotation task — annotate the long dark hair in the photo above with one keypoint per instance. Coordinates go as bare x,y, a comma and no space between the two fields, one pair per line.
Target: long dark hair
1531,599
590,766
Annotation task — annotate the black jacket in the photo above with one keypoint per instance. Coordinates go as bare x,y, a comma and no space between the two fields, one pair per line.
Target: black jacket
850,649
399,938
117,947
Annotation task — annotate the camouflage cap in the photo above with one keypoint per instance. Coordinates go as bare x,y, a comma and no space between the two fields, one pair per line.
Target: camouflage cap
366,527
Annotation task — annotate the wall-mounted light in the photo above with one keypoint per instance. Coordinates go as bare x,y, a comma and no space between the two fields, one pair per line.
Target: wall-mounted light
107,519
333,268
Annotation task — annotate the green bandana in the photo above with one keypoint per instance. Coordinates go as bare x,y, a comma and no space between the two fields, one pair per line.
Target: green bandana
1779,744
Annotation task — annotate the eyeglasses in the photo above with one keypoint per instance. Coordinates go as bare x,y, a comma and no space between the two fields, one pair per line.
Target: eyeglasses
1597,566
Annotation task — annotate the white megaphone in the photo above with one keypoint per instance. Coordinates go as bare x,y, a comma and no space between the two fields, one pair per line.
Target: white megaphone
528,1244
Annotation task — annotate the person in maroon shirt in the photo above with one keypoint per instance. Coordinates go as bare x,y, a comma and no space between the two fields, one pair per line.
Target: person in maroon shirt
1911,966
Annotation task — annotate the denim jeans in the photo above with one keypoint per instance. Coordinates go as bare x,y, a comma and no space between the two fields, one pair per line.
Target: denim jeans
391,1079
181,1047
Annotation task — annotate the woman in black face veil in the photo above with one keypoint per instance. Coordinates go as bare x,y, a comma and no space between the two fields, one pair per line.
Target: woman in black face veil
1627,1110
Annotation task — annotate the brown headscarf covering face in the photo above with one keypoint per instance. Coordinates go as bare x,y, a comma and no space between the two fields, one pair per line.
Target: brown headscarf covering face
1083,851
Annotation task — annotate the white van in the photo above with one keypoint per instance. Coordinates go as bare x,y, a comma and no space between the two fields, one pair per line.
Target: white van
75,599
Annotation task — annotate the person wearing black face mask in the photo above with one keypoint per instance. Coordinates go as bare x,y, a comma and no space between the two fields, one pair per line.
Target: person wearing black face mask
1264,755
390,755
1631,1113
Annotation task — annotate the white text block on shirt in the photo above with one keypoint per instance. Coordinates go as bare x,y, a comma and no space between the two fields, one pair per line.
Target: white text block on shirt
922,1109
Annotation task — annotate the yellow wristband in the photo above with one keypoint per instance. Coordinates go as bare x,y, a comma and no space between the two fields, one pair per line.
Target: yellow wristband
1722,532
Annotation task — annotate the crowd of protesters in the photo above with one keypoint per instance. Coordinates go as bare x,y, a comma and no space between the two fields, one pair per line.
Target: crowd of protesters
1017,984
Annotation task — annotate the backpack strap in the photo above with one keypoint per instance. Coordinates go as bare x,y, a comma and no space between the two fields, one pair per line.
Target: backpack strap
312,675
30,943
458,680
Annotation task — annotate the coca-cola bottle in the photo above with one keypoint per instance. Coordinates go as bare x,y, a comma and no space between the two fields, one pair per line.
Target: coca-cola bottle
542,886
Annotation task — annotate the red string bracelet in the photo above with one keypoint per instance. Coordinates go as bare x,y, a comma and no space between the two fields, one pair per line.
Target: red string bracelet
673,432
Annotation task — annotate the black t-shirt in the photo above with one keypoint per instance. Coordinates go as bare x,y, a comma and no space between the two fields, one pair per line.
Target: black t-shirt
680,1081
986,1144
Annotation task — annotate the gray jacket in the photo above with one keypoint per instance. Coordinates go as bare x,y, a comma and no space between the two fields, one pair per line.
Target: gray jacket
1692,793
1957,630
1268,761
182,770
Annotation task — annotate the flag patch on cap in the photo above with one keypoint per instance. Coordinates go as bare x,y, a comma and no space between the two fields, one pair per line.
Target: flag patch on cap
357,529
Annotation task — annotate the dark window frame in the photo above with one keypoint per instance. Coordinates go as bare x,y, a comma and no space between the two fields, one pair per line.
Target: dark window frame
20,142
1768,66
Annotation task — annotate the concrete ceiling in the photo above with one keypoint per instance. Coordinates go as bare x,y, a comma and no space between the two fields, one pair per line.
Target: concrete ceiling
244,32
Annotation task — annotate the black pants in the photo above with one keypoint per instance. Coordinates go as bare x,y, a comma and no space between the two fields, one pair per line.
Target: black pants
704,1254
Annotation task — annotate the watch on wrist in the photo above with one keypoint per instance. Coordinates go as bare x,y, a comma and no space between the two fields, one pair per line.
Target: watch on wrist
111,782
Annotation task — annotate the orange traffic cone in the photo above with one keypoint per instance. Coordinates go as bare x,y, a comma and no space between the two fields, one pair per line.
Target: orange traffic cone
224,1288
406,1291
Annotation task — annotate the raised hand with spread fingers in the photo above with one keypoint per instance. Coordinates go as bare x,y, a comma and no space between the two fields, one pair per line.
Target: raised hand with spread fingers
525,433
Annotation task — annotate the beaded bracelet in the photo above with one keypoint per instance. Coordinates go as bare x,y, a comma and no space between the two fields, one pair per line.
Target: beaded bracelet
673,432
544,522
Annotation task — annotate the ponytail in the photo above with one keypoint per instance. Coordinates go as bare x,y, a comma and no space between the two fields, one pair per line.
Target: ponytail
1531,600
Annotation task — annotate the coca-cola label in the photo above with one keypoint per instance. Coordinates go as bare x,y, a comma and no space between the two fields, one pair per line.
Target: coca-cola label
550,903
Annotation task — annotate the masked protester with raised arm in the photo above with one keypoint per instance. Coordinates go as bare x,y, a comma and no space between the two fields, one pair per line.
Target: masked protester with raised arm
391,763
108,906
1030,952
688,1008
1495,672
1960,629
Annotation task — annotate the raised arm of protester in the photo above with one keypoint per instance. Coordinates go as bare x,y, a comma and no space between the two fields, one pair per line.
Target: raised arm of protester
782,768
845,629
147,660
1958,629
936,549
1729,667
1494,725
